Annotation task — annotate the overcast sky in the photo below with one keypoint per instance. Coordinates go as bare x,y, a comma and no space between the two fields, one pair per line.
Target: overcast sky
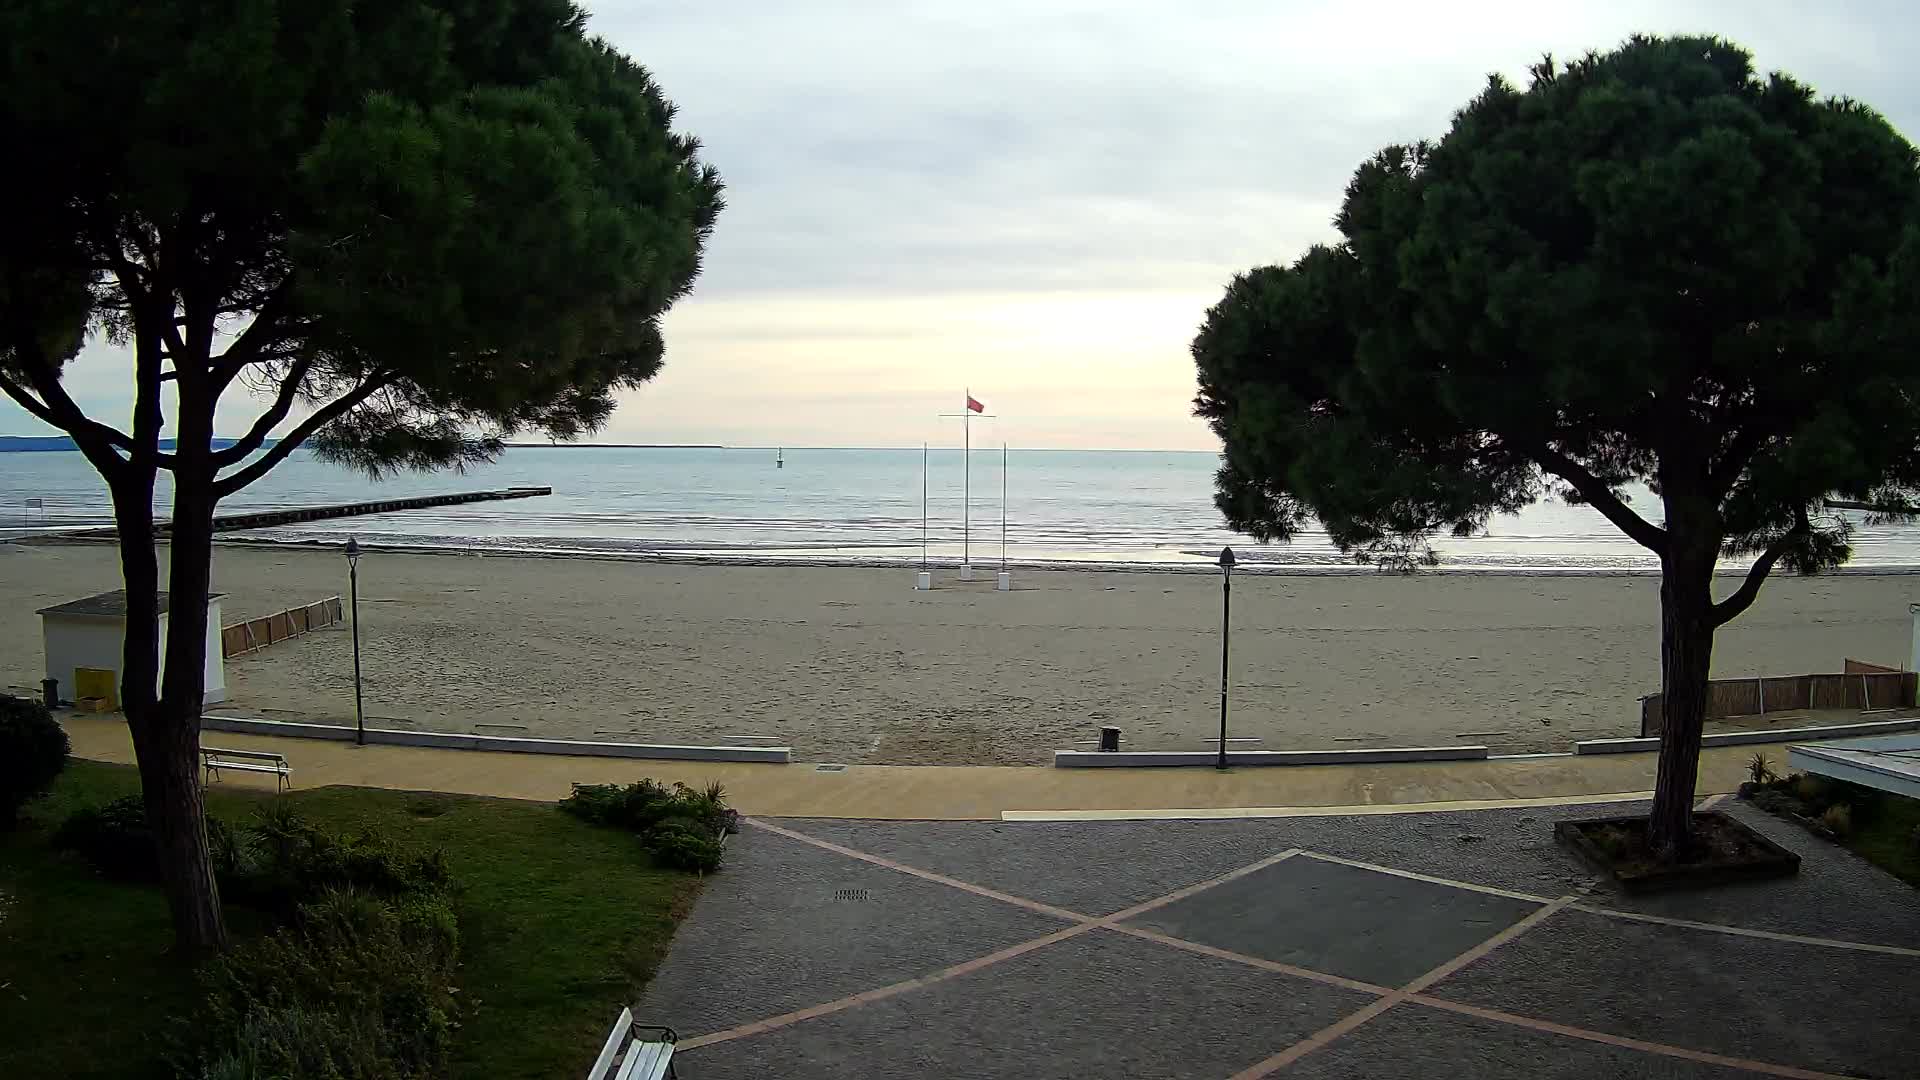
1038,201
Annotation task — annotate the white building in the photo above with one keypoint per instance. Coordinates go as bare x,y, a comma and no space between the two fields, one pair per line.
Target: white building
88,636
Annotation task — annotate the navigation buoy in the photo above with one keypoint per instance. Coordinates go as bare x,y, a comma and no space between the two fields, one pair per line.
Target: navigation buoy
780,458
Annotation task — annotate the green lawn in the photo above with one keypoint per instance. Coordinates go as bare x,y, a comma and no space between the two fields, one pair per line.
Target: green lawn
561,923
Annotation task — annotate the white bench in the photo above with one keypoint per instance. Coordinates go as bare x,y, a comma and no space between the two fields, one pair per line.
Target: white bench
635,1052
214,760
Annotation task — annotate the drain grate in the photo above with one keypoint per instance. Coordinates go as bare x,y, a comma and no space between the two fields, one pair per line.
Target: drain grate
829,768
852,894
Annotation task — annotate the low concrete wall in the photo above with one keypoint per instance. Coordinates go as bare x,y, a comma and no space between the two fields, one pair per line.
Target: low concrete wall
1087,759
774,755
1744,738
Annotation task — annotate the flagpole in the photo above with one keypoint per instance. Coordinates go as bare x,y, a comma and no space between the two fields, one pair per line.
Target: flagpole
1003,507
966,415
924,579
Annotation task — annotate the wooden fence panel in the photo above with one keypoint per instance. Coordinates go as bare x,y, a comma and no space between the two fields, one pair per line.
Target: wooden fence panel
245,637
1884,688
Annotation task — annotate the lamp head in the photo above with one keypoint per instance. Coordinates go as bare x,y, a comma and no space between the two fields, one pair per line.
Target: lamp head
1226,558
353,551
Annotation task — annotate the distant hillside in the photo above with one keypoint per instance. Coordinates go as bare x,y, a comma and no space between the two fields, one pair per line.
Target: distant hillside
30,444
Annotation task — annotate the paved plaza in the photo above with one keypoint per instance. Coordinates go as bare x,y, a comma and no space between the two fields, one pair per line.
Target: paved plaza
1462,945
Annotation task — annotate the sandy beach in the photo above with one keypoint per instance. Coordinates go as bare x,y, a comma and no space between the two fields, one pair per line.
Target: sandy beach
852,665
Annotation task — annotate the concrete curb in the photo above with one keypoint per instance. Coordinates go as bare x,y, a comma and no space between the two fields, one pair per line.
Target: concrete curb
1086,759
772,755
1744,738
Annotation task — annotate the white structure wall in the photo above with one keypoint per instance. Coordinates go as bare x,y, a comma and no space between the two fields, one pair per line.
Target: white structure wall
96,641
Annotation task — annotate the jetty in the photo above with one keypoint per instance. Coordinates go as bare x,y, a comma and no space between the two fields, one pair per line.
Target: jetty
264,519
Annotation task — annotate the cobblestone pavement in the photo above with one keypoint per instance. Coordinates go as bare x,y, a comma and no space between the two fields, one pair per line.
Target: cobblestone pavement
1463,945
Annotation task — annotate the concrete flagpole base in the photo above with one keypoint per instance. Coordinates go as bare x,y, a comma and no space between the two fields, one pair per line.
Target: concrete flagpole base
966,572
1003,581
923,581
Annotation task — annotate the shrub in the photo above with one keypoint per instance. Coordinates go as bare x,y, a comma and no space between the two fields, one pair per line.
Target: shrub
283,861
1760,770
113,837
357,987
1613,840
1775,801
33,750
679,826
636,807
276,861
1810,789
1838,819
680,847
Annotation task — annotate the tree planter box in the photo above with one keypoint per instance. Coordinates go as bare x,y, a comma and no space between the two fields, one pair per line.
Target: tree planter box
1757,857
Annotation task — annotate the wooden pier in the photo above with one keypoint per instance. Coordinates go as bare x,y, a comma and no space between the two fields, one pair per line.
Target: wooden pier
264,519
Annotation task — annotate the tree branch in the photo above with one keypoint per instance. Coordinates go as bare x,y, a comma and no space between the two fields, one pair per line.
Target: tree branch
28,402
320,418
1730,609
254,340
262,427
95,440
1740,450
56,408
1599,496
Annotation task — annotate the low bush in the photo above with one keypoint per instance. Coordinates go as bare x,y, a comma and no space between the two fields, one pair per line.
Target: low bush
1775,801
275,861
1838,819
1810,789
1760,770
683,848
1613,840
282,860
33,750
357,987
113,837
679,826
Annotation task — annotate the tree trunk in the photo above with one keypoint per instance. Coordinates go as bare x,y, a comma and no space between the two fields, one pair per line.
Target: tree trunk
1686,660
181,830
166,741
168,750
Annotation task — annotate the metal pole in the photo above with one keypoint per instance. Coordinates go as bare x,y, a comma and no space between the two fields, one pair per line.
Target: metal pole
1226,626
923,506
359,714
966,485
1003,506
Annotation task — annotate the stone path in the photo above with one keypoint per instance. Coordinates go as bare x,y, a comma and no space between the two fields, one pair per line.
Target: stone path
953,792
1416,945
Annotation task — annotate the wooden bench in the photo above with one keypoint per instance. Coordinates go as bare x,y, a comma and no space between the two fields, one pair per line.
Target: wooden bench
214,760
635,1052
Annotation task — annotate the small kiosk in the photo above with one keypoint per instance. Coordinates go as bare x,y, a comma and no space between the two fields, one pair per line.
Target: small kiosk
84,639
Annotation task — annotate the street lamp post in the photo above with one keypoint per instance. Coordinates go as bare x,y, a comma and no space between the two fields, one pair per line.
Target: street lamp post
1226,627
353,590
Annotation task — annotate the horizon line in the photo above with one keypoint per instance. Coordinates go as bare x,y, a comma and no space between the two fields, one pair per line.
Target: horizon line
744,446
797,446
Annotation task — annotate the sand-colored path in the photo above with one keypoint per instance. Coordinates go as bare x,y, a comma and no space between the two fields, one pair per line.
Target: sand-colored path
958,792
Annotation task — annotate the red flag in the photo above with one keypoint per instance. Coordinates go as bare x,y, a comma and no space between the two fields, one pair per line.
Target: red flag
974,406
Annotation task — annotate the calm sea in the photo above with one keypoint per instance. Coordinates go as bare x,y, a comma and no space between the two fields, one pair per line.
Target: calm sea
846,506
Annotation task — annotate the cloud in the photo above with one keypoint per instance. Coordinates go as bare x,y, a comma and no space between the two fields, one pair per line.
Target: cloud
1040,201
